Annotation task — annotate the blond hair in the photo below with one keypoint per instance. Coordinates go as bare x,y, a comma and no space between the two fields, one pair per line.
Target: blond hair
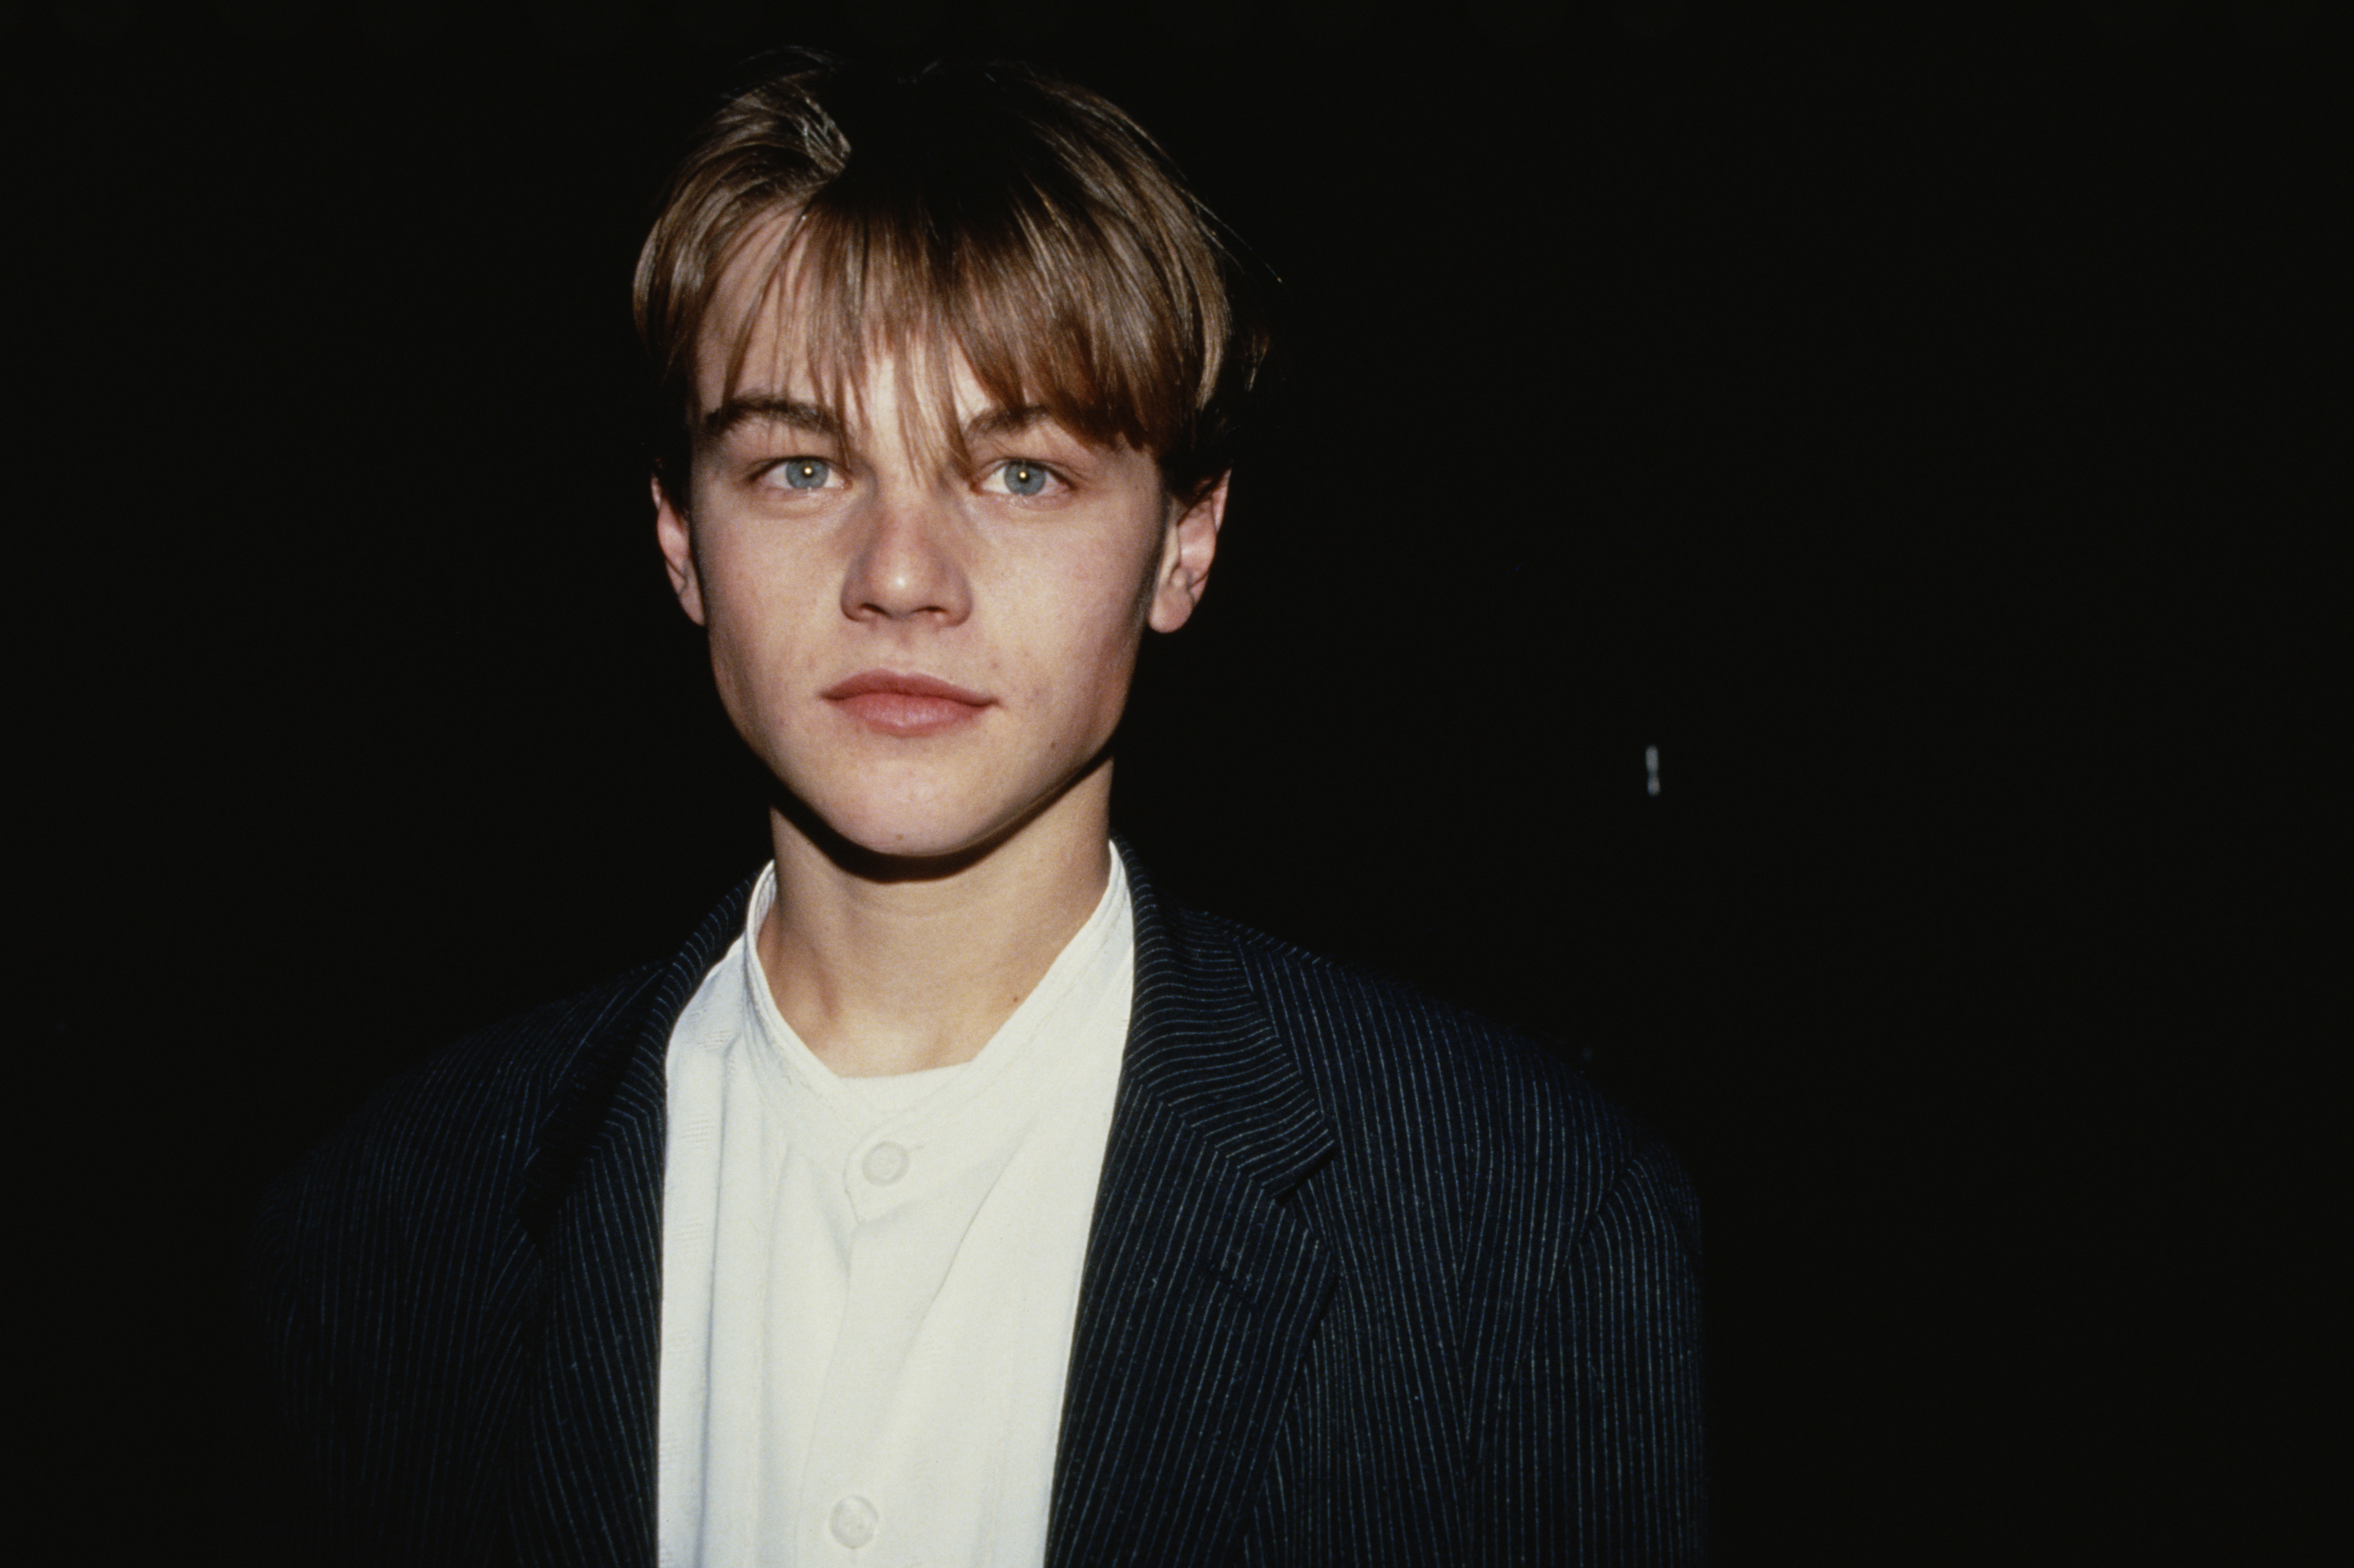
1028,223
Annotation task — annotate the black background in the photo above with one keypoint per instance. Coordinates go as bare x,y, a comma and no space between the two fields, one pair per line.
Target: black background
1910,427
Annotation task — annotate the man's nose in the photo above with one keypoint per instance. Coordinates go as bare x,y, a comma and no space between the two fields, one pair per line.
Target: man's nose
908,564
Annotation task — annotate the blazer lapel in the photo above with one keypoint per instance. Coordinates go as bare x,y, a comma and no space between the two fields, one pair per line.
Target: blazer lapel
1201,1294
1202,1290
583,1490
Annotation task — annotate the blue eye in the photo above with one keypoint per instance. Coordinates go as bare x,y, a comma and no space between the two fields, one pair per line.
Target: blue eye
805,473
1023,478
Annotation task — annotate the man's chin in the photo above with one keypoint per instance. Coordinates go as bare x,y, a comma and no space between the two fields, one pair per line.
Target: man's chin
917,857
905,846
924,834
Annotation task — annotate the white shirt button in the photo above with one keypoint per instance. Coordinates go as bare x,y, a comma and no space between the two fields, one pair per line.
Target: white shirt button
854,1520
885,1163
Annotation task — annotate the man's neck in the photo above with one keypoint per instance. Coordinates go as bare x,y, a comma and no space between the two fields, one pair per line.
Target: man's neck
895,974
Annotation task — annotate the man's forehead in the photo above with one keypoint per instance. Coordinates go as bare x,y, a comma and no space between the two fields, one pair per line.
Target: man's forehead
786,369
789,353
775,334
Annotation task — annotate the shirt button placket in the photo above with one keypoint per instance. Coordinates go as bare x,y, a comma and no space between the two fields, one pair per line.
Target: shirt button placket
885,1163
852,1522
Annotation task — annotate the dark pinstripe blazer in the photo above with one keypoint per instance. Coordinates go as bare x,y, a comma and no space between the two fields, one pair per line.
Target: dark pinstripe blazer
1369,1281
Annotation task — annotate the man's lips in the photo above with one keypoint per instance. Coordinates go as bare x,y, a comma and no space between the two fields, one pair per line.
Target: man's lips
907,704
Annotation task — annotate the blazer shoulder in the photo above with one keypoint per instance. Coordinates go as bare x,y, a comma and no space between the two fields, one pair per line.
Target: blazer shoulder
1428,1085
469,1116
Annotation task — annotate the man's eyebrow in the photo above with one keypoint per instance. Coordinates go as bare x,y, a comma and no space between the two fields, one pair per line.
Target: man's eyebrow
1007,421
767,408
763,408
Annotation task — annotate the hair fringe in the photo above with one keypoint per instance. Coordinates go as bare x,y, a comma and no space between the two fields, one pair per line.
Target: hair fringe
1028,224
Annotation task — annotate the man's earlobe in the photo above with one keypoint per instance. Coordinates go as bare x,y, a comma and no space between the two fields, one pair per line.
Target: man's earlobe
677,540
1185,559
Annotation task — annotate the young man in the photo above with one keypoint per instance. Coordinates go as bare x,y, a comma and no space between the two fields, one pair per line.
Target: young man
952,1197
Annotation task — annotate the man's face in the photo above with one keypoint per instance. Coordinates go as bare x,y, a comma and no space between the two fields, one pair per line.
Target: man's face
927,650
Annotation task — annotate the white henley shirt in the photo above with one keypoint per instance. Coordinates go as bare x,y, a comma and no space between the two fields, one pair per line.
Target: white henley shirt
869,1284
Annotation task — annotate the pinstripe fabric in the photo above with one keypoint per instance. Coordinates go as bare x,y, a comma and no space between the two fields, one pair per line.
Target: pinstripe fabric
1370,1282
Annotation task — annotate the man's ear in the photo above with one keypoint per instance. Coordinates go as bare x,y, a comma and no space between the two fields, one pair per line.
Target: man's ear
1185,556
678,541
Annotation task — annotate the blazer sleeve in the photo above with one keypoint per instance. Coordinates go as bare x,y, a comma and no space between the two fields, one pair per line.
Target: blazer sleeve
1599,1456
